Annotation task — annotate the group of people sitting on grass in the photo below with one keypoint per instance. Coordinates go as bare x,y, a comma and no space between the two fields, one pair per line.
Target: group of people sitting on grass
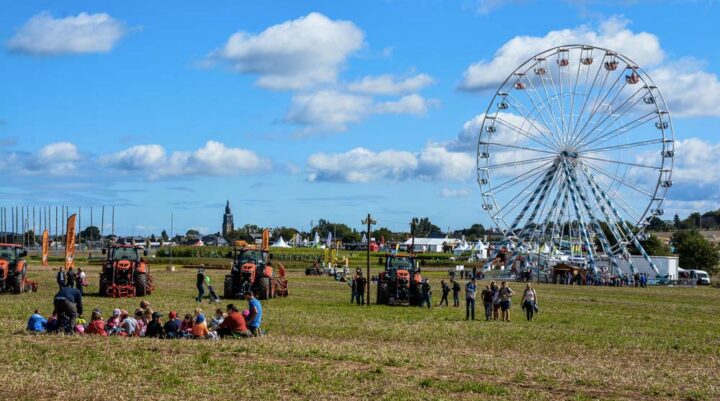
145,322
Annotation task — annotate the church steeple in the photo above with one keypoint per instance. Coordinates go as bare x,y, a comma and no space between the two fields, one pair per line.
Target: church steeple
228,224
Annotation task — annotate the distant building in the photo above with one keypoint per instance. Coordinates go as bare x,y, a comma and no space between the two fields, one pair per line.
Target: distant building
228,225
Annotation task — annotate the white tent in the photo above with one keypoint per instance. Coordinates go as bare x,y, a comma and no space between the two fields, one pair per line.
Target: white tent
364,239
316,240
280,243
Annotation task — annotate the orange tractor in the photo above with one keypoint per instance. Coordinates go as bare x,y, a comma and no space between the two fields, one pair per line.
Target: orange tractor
253,271
125,273
401,282
13,270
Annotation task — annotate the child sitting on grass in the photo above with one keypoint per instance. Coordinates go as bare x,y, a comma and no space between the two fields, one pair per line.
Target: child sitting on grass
186,326
96,325
112,326
217,319
199,329
36,323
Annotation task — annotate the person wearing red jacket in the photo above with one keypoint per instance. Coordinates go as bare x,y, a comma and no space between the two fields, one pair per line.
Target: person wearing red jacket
234,324
96,325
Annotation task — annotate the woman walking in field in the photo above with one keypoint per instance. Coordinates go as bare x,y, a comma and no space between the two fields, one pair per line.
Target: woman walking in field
529,301
505,294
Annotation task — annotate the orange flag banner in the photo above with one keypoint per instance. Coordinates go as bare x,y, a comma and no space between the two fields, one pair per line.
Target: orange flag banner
70,243
45,247
266,239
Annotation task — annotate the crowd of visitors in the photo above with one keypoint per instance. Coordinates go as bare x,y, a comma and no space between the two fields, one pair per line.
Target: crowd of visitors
71,278
144,322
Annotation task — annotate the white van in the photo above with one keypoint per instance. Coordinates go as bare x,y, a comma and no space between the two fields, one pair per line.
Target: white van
701,276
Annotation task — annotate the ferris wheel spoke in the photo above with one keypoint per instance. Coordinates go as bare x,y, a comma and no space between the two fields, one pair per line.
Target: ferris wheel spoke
622,146
589,93
573,93
520,162
558,139
598,104
604,137
626,207
527,114
519,179
613,219
503,145
619,180
614,115
622,163
510,206
520,131
548,101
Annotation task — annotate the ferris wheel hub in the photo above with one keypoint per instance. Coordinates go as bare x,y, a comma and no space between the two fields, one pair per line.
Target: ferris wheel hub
569,154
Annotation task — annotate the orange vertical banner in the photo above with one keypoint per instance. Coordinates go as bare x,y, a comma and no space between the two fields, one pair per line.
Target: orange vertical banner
70,243
266,239
45,247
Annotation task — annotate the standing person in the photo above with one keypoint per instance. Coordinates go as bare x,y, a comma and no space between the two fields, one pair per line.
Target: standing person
81,280
496,300
456,293
200,284
470,291
426,292
60,278
445,292
68,305
70,278
487,298
505,294
360,289
255,316
529,301
643,280
353,290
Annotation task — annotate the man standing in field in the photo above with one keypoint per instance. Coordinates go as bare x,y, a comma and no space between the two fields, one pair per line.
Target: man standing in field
200,284
255,316
505,294
470,291
360,289
60,278
445,292
425,293
456,293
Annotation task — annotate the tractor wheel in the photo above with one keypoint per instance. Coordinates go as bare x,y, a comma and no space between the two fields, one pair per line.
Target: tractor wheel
17,284
383,294
264,288
416,295
102,290
228,290
141,284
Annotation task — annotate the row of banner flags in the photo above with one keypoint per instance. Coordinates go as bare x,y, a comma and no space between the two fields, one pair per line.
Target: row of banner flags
69,244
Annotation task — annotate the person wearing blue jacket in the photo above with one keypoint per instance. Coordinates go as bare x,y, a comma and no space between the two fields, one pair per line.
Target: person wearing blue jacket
255,317
68,305
36,323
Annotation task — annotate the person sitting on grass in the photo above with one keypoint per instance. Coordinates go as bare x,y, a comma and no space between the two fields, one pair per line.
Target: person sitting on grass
172,326
96,325
37,323
53,324
140,324
234,324
128,324
255,317
217,319
155,327
199,329
186,326
112,326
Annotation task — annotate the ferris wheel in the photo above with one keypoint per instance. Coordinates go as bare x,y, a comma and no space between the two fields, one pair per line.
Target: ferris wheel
575,155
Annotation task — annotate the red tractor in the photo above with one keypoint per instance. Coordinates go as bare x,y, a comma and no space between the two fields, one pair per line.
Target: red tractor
125,273
401,282
13,269
252,271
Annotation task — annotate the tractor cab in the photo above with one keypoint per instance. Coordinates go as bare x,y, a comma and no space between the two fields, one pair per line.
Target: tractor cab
12,268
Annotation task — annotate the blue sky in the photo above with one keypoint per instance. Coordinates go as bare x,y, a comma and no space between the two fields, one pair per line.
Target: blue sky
296,111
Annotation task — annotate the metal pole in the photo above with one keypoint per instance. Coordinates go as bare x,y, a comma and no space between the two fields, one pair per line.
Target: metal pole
171,237
369,221
113,221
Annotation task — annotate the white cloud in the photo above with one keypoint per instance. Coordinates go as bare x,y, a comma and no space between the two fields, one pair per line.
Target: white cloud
84,33
389,85
688,90
408,104
696,162
434,162
58,152
294,54
331,110
328,109
213,159
454,193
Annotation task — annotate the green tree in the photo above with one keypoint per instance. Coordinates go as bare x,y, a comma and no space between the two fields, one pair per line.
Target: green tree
695,251
90,233
655,246
425,228
474,233
164,236
339,231
192,233
287,233
383,232
676,221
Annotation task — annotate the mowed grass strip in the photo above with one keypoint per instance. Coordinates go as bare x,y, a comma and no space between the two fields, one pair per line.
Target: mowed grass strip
587,344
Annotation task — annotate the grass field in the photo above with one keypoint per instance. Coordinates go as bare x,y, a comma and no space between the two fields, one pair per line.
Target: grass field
587,343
